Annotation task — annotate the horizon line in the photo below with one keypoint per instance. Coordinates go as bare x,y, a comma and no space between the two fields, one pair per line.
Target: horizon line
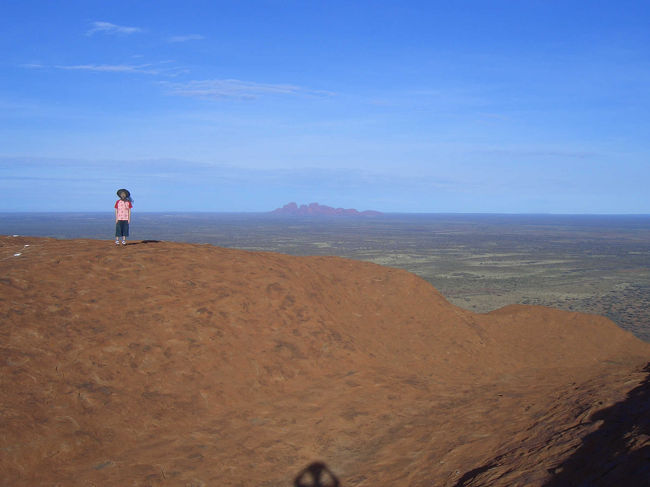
270,213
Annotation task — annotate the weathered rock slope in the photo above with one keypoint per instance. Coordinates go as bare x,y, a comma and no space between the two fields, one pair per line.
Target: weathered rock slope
175,364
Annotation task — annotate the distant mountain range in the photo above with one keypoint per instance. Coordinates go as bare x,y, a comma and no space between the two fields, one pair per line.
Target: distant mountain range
315,209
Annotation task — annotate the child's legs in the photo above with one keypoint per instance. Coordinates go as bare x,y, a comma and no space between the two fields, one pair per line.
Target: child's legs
122,229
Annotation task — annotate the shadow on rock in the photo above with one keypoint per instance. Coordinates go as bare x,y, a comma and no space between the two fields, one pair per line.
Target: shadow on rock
316,475
617,453
143,242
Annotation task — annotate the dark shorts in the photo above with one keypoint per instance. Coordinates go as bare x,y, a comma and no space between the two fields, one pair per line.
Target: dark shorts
122,228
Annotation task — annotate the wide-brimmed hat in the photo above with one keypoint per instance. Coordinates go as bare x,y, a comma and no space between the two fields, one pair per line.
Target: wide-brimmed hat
128,194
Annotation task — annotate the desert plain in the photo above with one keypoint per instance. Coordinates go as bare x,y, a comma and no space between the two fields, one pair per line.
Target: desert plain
165,363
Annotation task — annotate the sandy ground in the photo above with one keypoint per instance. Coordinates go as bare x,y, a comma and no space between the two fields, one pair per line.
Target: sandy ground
178,364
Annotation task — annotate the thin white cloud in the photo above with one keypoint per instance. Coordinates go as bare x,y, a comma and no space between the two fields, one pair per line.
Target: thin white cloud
186,38
535,153
113,68
232,88
163,68
108,28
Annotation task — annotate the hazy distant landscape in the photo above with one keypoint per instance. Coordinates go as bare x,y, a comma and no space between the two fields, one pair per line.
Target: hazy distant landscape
594,264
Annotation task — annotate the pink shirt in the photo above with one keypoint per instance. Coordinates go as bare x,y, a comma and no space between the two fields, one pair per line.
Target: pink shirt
123,208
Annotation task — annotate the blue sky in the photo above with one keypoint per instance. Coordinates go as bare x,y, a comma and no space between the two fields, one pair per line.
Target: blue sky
399,106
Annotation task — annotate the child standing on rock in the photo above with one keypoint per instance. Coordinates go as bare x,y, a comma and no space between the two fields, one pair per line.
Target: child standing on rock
122,215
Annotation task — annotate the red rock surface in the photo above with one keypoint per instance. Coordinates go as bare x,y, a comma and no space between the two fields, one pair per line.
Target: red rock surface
315,209
175,364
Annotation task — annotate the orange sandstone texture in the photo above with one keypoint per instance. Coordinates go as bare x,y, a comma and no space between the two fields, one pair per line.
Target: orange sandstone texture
175,364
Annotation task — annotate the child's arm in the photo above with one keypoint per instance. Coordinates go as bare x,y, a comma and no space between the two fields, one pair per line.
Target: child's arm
115,215
129,215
